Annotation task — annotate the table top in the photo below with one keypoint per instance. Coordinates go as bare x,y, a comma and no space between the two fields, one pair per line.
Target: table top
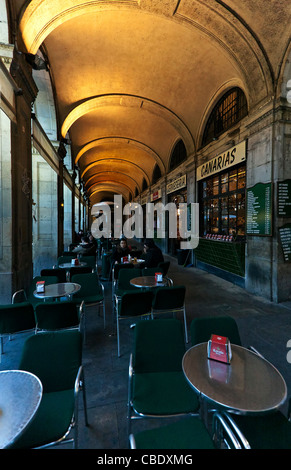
249,384
70,265
61,289
17,408
147,281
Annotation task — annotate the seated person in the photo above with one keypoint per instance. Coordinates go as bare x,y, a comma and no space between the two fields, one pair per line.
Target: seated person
85,247
120,251
153,254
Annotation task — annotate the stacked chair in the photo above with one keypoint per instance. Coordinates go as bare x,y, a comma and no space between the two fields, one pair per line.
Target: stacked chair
56,359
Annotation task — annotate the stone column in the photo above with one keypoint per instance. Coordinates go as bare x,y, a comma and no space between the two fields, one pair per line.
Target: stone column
22,174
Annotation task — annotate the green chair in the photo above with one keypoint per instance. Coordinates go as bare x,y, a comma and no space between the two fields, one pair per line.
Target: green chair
170,300
124,278
91,292
115,272
262,432
27,296
59,272
90,261
132,304
187,433
52,316
56,359
157,386
79,270
202,328
15,318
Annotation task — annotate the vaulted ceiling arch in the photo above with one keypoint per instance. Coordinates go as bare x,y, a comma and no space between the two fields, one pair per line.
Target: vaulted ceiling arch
131,78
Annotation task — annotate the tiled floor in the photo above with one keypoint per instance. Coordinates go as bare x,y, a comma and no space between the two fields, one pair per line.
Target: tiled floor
262,324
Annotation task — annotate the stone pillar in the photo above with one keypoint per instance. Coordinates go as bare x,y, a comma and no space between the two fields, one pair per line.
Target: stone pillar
269,160
22,174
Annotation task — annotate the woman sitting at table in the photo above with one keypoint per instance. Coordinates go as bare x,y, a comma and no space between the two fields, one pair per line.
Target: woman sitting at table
120,251
153,254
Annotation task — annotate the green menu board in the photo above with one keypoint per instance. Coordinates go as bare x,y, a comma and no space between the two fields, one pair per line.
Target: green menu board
285,238
259,210
284,198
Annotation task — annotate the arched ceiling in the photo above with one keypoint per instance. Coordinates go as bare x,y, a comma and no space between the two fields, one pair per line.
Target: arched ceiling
131,77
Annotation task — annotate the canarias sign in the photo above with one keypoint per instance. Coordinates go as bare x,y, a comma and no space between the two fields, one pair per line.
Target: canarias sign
221,162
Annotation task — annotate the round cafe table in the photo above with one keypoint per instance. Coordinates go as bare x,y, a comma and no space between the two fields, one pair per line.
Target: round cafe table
248,385
147,282
61,289
20,396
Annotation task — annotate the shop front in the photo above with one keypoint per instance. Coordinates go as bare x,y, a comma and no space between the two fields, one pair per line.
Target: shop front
222,206
177,194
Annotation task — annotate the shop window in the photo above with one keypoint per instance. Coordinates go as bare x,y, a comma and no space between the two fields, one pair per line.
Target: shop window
223,203
156,174
178,156
229,110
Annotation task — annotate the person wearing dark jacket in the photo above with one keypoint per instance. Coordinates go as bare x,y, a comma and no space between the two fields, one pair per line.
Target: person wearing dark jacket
120,251
153,254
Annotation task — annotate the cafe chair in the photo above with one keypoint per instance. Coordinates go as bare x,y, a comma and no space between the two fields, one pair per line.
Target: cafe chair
157,387
132,304
15,318
170,300
59,272
23,295
164,266
56,359
268,431
52,316
90,260
79,270
186,433
91,292
202,328
115,272
123,284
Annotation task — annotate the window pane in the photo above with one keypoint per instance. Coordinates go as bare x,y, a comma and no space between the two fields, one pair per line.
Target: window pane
224,183
232,180
241,178
215,185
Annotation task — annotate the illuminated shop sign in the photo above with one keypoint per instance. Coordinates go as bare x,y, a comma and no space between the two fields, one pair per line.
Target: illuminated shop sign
177,184
156,195
225,160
